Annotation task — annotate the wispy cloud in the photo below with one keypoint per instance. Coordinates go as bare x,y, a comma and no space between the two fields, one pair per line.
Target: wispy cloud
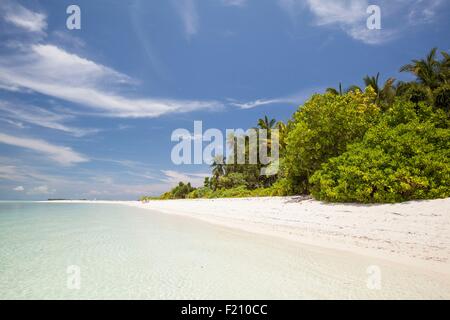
234,3
16,114
85,184
351,16
295,99
23,18
62,155
52,71
48,69
174,177
423,11
41,190
187,11
19,189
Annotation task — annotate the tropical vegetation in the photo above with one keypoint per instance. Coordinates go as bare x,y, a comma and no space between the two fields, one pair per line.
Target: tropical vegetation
388,142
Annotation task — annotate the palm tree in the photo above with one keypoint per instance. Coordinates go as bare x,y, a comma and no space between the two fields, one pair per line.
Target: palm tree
334,91
266,123
218,166
427,71
341,92
353,88
372,82
445,68
385,94
282,134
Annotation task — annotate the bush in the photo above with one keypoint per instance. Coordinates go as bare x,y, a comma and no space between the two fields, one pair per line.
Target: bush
231,180
442,97
181,191
415,92
322,129
405,157
204,192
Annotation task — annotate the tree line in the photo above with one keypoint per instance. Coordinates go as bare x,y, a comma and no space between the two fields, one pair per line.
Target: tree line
387,142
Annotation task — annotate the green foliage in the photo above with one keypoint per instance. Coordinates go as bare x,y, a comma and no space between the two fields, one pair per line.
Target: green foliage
181,191
232,180
430,72
404,157
198,193
442,97
387,144
415,92
236,192
323,128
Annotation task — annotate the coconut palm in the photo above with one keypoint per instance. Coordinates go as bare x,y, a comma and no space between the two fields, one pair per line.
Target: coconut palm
445,68
341,92
266,123
218,166
282,133
334,91
386,93
427,71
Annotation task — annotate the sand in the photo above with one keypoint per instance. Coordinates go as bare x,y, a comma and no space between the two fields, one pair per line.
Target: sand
415,233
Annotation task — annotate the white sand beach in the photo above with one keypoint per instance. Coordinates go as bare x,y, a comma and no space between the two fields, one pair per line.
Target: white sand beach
415,233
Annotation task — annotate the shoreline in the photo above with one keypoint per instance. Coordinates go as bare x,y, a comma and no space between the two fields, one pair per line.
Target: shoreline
415,233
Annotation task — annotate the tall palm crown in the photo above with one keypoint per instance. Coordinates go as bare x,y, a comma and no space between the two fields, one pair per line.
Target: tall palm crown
340,91
266,123
218,166
385,93
428,70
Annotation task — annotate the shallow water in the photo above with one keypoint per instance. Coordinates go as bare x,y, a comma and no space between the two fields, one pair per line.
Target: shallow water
126,253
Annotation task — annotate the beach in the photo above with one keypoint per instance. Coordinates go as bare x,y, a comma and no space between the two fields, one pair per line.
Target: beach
415,233
266,248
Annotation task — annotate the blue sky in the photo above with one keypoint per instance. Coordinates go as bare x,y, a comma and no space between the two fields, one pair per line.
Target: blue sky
89,113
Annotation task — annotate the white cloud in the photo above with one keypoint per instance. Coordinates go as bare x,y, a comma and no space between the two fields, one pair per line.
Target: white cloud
41,190
423,11
258,103
187,11
351,16
17,114
235,3
86,183
52,71
174,177
62,155
338,11
295,99
23,18
16,124
19,188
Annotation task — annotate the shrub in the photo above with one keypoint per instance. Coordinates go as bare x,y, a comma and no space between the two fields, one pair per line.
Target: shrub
181,191
204,192
231,180
404,157
442,97
415,92
322,129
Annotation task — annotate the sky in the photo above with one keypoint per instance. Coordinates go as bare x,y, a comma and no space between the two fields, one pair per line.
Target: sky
89,113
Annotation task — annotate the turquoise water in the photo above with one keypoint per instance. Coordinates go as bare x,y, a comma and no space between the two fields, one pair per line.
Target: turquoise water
127,253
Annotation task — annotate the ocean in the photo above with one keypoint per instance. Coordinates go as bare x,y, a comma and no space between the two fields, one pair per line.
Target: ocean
112,251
